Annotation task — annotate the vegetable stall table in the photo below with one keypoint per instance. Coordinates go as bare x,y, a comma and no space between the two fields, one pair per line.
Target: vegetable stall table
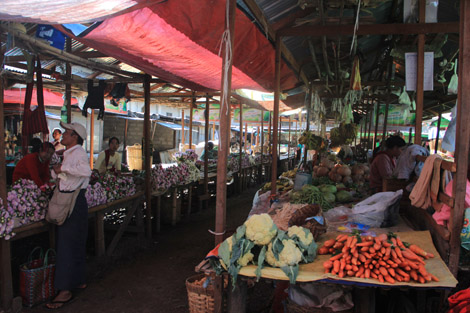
134,203
364,288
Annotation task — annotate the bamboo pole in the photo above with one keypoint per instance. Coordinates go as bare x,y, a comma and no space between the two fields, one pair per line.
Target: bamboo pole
193,102
224,126
462,139
376,124
213,130
437,134
420,76
289,143
148,165
182,129
277,91
68,85
270,138
279,137
262,135
241,150
307,123
206,140
6,290
92,136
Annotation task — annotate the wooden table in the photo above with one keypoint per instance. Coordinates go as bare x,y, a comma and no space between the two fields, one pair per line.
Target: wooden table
135,203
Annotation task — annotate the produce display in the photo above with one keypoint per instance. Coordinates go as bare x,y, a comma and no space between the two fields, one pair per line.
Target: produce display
258,241
282,185
385,258
183,173
341,173
313,142
343,135
290,174
310,194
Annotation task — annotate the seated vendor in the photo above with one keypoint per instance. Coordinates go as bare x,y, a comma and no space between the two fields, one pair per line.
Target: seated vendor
35,166
211,153
109,159
383,163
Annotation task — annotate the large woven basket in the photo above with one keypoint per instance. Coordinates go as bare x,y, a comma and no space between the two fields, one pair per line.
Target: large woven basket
299,216
293,307
200,299
134,157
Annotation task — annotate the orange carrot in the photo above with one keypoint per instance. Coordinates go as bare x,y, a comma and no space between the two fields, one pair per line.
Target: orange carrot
398,252
382,237
367,273
323,250
417,250
341,274
362,258
327,264
398,278
365,244
338,245
386,244
383,271
414,275
401,272
336,257
342,264
331,250
381,278
421,279
336,265
389,279
400,243
411,256
329,243
422,271
348,241
373,275
391,271
341,237
350,273
371,250
353,242
360,272
434,277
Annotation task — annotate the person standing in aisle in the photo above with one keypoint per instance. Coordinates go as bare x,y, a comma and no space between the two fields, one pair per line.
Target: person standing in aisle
73,173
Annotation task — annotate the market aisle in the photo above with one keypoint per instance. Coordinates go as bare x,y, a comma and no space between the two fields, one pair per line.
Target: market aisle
150,276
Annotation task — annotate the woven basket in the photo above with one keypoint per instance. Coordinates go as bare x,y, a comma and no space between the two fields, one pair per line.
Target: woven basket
134,157
200,299
293,307
299,216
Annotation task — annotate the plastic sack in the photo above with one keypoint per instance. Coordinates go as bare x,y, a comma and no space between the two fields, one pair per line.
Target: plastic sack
448,142
404,98
261,203
318,295
453,87
379,210
465,234
302,179
337,216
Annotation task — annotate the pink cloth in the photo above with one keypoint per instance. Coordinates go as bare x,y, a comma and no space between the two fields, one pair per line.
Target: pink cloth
382,166
443,216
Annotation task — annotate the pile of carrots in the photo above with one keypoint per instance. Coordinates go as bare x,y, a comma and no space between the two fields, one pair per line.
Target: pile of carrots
384,257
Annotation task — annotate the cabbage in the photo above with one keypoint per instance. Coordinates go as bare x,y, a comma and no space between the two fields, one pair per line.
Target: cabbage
328,188
330,197
310,188
343,196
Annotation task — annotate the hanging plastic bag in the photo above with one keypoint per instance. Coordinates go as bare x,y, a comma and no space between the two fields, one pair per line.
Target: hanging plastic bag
453,87
355,82
465,234
404,98
448,142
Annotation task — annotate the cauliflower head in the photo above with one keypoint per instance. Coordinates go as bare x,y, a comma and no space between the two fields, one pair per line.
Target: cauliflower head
260,229
289,256
304,235
245,259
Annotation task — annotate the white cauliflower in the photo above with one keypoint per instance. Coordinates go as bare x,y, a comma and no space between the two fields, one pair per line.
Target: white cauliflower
289,256
304,235
245,259
260,229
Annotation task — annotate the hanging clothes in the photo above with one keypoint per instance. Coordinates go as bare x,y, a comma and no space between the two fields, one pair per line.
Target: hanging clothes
120,90
95,99
34,121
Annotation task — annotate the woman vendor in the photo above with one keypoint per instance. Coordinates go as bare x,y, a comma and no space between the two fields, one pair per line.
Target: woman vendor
35,166
109,159
384,162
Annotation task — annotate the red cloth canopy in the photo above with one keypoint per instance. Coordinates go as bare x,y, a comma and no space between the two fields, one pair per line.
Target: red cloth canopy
51,98
179,41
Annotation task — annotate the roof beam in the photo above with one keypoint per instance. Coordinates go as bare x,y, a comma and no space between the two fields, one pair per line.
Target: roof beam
45,48
255,9
371,29
290,19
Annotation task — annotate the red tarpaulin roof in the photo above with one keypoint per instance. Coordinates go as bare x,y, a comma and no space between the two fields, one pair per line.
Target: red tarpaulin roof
179,41
51,98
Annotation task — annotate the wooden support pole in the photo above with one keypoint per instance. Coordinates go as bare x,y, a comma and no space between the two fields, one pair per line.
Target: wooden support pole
240,152
420,76
279,137
270,138
6,289
307,124
377,109
262,135
68,77
277,93
288,146
224,127
213,131
437,134
246,135
462,140
193,104
124,149
148,165
370,124
182,130
206,140
92,136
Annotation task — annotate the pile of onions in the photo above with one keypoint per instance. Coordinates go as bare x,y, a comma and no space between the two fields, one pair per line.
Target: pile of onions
360,173
342,173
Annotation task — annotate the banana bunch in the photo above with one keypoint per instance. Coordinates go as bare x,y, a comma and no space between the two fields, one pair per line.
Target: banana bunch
290,174
313,142
343,135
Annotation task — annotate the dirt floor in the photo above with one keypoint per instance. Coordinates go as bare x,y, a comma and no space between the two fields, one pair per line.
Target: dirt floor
149,275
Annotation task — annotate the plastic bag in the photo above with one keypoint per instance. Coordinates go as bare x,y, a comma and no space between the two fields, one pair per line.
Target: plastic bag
379,210
465,234
448,142
404,98
453,87
261,203
317,295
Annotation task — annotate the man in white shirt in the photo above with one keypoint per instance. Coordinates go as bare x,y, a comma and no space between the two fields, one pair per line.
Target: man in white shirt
109,159
74,173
